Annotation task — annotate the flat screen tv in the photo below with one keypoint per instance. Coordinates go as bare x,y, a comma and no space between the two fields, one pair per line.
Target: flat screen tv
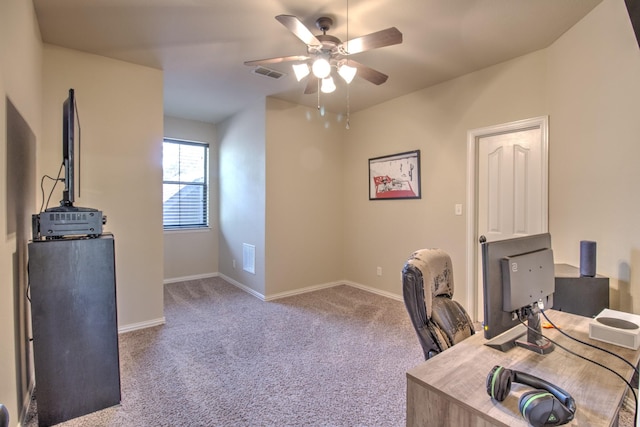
68,134
68,220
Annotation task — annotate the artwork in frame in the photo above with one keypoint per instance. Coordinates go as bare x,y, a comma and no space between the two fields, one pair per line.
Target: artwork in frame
396,176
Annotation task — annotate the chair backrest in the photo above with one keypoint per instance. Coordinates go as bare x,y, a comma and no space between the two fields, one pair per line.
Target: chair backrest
4,416
427,287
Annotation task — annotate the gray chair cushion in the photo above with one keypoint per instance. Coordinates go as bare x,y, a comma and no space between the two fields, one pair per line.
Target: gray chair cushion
427,285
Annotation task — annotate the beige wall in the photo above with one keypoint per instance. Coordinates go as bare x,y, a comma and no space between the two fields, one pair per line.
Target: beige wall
304,197
280,187
120,109
575,82
121,117
587,82
241,189
20,105
594,92
194,253
384,233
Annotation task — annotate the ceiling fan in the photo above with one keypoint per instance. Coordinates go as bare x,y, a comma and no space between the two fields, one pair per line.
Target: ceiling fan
325,52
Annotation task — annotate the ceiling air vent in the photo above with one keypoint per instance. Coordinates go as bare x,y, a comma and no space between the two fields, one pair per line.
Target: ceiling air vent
267,72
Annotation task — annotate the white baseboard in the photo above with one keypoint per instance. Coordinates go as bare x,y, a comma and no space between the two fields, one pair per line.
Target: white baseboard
243,287
141,325
273,297
187,278
375,291
285,294
301,291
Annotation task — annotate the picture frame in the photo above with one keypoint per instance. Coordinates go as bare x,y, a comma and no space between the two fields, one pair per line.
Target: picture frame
395,176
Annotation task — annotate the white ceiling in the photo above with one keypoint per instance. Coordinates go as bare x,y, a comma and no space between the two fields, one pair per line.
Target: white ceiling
202,44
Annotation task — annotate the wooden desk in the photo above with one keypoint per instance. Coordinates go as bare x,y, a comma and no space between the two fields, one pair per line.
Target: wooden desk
450,389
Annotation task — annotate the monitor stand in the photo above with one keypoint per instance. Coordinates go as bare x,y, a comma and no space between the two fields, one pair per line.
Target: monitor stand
522,336
507,340
535,341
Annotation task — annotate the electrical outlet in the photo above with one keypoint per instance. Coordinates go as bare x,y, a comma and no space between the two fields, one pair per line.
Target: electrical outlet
379,271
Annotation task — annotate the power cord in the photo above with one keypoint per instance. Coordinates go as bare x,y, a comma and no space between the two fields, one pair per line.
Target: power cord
635,369
27,292
53,188
635,397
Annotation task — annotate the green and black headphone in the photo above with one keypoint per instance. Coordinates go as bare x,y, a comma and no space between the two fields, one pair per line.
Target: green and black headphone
547,405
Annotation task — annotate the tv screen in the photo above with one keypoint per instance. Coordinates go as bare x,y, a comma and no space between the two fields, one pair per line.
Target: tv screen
68,127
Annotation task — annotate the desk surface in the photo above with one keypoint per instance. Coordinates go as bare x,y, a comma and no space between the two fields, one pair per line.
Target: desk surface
456,379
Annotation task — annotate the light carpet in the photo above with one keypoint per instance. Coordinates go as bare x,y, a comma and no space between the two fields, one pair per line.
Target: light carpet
333,357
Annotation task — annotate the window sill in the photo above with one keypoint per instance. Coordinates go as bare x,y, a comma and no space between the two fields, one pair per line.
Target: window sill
187,230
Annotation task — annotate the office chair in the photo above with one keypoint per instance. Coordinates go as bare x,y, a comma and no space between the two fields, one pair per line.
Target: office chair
4,416
439,321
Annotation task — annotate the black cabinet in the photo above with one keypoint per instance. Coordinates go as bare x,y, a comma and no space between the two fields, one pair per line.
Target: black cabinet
75,328
586,296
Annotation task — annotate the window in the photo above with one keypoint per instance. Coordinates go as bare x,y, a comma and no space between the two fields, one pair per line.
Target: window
185,184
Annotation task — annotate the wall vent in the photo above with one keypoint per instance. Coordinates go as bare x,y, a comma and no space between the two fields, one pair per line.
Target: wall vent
267,72
249,258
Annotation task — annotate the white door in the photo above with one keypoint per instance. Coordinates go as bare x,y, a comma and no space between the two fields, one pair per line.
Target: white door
511,187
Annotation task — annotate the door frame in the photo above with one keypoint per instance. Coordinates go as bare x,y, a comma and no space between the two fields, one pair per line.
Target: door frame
472,246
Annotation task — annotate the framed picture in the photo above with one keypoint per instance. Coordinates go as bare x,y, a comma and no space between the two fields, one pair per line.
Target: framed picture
395,177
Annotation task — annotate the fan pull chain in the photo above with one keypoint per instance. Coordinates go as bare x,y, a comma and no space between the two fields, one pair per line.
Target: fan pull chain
347,28
348,116
348,126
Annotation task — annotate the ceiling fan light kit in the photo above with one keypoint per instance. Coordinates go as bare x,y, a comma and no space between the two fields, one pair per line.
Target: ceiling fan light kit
321,68
325,52
328,85
347,72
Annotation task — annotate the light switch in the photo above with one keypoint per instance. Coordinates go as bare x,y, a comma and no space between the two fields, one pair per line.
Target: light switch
458,209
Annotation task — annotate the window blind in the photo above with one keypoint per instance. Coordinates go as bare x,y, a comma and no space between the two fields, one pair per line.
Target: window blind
185,184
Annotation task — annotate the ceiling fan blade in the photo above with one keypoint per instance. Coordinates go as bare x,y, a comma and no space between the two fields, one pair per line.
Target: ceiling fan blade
312,85
367,73
381,38
276,60
294,25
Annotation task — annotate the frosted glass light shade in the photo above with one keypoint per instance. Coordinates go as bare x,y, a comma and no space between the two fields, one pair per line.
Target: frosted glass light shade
301,71
328,85
321,68
347,73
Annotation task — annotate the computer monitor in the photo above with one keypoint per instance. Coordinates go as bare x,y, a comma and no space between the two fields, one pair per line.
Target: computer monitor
518,277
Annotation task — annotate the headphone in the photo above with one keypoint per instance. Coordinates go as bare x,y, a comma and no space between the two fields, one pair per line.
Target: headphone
548,405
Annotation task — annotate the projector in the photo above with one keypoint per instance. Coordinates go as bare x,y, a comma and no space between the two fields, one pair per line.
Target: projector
616,327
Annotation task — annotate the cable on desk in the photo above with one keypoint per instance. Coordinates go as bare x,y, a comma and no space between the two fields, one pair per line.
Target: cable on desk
635,369
635,397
